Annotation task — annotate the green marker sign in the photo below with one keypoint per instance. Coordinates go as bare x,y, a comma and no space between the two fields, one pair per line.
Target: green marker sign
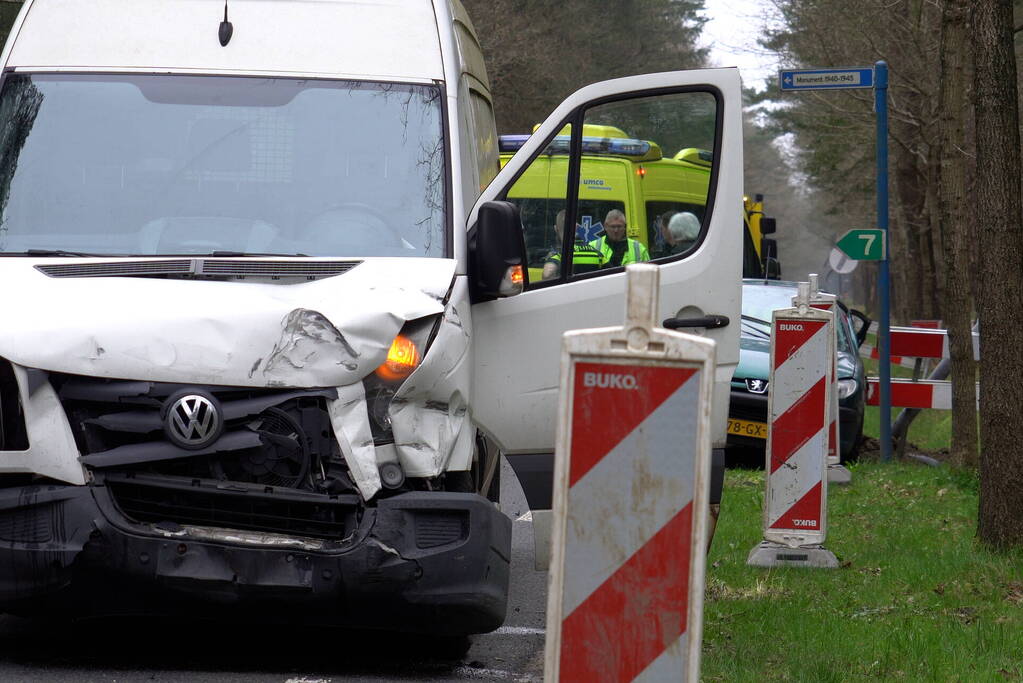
863,244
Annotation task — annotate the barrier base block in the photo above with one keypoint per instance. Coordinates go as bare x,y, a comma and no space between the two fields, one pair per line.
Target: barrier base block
769,554
838,474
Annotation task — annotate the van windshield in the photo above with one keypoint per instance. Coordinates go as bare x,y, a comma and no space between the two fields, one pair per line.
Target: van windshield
166,165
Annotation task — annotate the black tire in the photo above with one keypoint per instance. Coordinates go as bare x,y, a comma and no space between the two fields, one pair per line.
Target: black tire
854,453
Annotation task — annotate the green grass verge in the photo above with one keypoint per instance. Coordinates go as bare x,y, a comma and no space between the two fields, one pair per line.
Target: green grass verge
917,598
931,430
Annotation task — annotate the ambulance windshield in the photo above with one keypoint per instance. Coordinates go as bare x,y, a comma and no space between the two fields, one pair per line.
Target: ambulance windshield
168,165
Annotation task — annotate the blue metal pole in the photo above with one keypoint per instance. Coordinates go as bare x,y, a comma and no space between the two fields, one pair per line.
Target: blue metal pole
881,108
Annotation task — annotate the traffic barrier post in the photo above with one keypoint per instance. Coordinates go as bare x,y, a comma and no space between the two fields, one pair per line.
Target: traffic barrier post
919,393
798,407
631,491
822,301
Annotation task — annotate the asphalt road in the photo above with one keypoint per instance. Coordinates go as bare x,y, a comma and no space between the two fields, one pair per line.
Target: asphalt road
141,649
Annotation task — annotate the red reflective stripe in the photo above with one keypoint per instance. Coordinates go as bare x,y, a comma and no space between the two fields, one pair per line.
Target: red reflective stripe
806,509
603,416
798,424
904,394
634,616
918,343
788,341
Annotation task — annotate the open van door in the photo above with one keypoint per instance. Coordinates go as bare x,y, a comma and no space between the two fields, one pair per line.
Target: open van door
517,340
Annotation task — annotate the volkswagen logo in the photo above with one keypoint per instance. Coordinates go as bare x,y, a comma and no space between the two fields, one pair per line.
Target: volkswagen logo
756,386
192,420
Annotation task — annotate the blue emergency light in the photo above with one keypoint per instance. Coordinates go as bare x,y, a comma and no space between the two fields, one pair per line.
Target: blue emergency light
626,147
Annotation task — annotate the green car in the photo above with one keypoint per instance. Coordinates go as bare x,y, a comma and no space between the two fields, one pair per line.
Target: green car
747,412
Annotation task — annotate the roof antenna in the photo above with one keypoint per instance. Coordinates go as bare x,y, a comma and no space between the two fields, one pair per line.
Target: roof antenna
226,28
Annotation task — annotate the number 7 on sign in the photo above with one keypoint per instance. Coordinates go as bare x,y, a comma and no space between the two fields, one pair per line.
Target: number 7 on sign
863,244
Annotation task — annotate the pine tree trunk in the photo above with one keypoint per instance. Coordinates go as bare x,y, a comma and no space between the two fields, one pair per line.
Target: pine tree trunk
952,200
1000,270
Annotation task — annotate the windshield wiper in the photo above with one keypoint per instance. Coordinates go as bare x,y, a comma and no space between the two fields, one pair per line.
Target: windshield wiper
756,320
47,252
754,332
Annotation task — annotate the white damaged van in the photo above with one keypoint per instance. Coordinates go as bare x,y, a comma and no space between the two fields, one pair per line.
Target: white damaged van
268,319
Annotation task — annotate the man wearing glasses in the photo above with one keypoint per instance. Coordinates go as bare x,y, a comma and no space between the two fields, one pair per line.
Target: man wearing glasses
615,248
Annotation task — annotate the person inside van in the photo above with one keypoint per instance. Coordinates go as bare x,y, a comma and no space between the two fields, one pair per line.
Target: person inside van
584,257
681,231
615,248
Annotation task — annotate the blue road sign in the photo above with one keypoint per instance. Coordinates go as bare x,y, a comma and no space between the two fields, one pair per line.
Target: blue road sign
826,79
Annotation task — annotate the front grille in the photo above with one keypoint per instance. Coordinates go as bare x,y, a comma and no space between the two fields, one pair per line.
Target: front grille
275,467
744,406
118,268
112,420
276,269
188,502
30,525
440,528
201,267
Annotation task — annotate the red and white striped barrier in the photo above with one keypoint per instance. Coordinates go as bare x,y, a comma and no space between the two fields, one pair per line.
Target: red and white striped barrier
923,394
630,500
921,343
871,351
799,408
917,343
829,302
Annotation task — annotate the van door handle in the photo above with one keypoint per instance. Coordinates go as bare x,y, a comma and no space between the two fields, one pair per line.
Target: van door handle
708,321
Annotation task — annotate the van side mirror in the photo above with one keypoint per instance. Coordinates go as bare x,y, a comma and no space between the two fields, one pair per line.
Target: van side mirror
861,324
497,252
767,226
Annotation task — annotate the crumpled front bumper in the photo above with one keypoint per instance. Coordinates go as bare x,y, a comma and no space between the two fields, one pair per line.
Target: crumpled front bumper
420,561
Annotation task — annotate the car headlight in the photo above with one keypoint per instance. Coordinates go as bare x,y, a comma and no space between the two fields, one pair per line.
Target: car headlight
847,387
404,356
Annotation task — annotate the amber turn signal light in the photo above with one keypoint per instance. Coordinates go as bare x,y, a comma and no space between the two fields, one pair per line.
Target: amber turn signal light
402,359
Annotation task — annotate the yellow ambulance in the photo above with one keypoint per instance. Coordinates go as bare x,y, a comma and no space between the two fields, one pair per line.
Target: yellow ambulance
617,172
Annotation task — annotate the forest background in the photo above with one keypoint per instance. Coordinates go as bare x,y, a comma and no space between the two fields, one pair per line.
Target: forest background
810,154
956,230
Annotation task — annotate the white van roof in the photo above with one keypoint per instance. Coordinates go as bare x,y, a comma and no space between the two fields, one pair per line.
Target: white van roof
381,39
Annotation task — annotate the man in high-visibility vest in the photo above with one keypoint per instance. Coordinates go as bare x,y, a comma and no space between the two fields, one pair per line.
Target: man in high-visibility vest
615,248
584,257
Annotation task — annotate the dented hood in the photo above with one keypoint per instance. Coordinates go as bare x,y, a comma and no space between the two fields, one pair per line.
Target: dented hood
324,333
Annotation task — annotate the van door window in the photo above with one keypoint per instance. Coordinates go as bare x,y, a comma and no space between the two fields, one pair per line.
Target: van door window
643,181
540,194
486,138
663,144
658,220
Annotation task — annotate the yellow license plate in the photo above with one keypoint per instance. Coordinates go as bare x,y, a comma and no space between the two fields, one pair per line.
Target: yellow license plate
754,430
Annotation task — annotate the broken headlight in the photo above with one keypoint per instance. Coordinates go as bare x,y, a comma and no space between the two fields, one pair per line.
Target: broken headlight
404,356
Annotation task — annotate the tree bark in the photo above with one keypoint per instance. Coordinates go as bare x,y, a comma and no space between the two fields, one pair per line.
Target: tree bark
1000,270
954,220
908,282
930,239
